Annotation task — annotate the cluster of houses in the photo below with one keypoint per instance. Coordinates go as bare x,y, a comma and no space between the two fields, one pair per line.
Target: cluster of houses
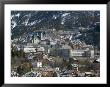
41,46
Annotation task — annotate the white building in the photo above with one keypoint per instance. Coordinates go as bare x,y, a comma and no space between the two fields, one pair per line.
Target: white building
40,49
52,42
92,53
78,53
43,37
29,49
39,64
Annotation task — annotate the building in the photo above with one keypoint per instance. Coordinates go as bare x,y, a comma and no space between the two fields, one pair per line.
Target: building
92,54
30,74
35,39
39,64
47,72
75,67
40,49
29,49
30,56
88,74
77,53
77,44
65,53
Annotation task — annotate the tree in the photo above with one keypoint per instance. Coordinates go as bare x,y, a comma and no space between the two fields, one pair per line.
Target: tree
24,68
54,74
69,67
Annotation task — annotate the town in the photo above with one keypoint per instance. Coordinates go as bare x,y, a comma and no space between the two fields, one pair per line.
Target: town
54,53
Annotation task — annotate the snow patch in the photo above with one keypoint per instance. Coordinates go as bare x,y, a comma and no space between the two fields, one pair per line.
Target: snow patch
54,17
17,15
13,24
65,14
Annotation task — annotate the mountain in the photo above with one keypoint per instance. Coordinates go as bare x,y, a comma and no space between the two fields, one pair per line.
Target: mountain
91,36
23,22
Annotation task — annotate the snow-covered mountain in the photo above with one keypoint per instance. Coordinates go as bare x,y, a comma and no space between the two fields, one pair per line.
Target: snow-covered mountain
23,22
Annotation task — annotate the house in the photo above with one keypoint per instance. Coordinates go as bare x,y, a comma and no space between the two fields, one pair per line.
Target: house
29,49
35,40
43,42
77,53
52,44
38,56
97,61
34,64
41,34
88,74
30,74
63,52
45,56
40,49
30,56
77,44
47,72
39,64
75,67
14,74
92,54
15,47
